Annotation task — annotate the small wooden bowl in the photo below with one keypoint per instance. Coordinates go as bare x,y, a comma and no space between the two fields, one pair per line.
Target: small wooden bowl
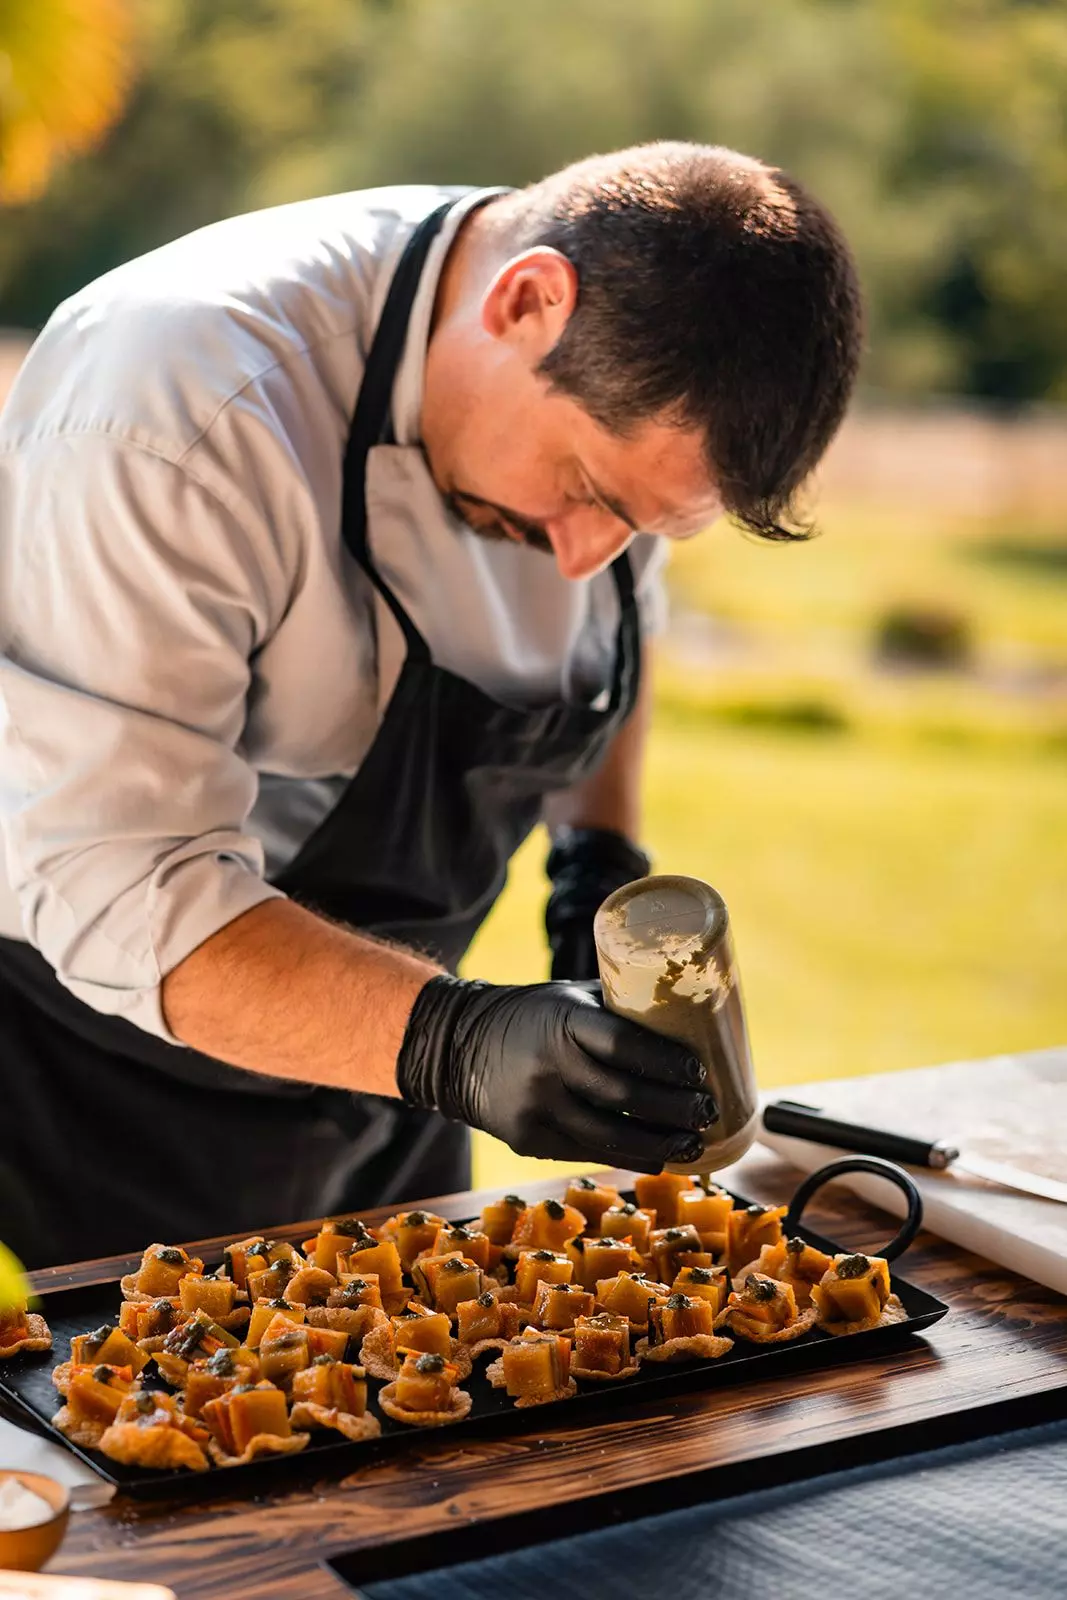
27,1549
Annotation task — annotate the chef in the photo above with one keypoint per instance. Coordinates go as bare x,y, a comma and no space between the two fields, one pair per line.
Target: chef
329,538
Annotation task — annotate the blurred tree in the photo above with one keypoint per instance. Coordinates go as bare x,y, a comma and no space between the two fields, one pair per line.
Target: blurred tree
936,130
65,67
231,90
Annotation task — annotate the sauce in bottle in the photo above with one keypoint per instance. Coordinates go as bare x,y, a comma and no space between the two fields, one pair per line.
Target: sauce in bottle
667,961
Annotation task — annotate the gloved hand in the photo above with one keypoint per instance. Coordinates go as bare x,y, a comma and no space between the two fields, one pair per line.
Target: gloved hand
551,1072
584,865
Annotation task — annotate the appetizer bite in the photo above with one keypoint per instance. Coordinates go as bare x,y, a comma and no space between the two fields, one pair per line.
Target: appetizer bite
534,1369
441,1282
790,1261
22,1330
413,1232
855,1295
540,1266
353,1308
591,1199
381,1259
470,1243
556,1305
602,1348
93,1396
548,1225
748,1229
671,1249
765,1311
149,1430
499,1219
605,1258
629,1295
659,1192
425,1393
682,1329
333,1394
420,1329
486,1323
250,1420
218,1374
629,1222
337,1237
704,1283
163,1266
707,1210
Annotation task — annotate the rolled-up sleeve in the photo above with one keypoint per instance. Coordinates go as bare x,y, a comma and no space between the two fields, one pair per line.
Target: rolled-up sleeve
132,602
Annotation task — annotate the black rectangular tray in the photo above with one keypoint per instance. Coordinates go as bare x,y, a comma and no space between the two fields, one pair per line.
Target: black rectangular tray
26,1387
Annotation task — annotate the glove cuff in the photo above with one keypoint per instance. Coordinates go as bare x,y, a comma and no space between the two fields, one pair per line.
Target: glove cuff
585,865
425,1070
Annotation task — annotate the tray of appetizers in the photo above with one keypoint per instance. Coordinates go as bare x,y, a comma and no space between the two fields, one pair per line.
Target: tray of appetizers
340,1346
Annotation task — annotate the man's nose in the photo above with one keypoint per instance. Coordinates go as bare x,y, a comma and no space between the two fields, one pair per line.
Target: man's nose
584,540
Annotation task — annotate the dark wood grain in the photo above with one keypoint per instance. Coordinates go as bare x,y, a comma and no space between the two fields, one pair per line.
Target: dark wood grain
1004,1341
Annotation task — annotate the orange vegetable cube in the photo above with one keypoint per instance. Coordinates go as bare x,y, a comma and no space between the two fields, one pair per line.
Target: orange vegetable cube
556,1305
498,1219
627,1221
547,1226
537,1266
659,1192
591,1199
602,1343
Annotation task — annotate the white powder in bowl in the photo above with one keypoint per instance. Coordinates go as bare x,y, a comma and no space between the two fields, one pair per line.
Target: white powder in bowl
20,1507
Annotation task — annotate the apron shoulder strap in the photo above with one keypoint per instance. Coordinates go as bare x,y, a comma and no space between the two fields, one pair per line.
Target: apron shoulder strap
371,416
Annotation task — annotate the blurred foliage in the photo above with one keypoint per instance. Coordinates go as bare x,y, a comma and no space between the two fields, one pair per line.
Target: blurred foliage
936,129
64,70
14,1290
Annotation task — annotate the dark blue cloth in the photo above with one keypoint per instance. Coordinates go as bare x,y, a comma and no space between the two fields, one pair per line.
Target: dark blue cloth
980,1521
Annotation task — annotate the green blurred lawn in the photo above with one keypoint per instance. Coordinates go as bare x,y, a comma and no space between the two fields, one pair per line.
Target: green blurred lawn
897,873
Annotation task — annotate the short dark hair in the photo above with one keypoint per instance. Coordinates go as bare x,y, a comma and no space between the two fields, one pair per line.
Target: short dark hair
714,291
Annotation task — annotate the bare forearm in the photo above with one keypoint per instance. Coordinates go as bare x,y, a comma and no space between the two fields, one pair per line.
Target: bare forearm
611,797
282,992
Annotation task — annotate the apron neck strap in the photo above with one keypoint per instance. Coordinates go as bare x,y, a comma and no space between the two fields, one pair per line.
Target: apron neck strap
371,419
370,425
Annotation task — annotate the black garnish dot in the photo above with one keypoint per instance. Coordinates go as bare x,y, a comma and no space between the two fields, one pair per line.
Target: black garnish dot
280,1304
324,1360
430,1363
542,1255
761,1288
102,1374
700,1275
676,1233
222,1364
795,1245
678,1302
415,1219
584,1183
554,1210
853,1267
452,1265
757,1211
486,1299
171,1255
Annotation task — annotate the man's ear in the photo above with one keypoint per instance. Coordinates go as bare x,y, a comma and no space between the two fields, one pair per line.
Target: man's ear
530,300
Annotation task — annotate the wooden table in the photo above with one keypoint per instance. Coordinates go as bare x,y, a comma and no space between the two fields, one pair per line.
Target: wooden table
998,1360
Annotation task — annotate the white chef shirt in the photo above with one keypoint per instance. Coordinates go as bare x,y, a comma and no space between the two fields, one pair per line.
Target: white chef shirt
191,664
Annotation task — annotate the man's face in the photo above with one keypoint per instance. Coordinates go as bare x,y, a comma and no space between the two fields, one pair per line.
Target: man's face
518,461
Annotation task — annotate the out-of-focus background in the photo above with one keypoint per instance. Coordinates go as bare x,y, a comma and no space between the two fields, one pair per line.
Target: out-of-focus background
862,741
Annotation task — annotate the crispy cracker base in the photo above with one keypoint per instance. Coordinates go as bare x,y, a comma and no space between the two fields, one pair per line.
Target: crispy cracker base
892,1313
698,1347
756,1332
378,1354
152,1447
495,1373
84,1431
309,1414
459,1406
261,1444
603,1377
38,1337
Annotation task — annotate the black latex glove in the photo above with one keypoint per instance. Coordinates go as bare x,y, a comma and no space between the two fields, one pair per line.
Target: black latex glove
547,1069
585,865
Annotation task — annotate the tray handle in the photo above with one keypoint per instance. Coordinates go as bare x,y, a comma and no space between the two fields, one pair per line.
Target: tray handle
881,1169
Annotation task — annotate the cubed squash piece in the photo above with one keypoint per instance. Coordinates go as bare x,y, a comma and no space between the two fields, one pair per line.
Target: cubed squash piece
540,1266
547,1226
627,1221
592,1199
706,1210
602,1343
557,1305
659,1192
498,1219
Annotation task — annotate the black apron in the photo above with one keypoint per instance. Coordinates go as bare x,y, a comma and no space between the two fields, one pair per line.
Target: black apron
110,1138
